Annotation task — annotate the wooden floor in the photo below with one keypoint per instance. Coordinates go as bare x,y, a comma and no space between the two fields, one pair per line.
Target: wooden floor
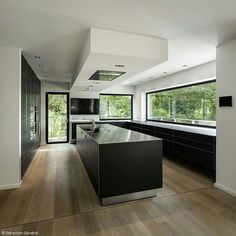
57,198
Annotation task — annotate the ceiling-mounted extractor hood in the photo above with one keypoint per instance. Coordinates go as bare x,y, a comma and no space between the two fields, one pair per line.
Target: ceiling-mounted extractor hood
106,75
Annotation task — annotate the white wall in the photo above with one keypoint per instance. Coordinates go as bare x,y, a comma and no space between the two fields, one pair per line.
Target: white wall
130,45
197,74
226,117
10,117
82,58
116,89
119,89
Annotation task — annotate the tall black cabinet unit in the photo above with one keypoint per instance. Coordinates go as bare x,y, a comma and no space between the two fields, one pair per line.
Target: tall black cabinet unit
30,114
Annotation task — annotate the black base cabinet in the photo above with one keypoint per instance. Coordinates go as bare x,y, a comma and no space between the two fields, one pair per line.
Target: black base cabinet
30,114
196,148
150,130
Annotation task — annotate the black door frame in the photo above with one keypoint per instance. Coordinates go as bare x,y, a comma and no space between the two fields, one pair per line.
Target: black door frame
68,124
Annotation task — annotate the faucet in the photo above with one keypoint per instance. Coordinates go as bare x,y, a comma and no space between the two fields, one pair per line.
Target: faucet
93,124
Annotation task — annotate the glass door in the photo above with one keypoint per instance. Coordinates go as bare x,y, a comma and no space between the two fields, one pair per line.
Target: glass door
57,117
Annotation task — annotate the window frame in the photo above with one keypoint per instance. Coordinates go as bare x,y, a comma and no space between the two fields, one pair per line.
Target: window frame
112,94
173,88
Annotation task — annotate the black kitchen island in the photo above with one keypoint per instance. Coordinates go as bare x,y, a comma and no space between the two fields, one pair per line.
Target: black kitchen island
123,165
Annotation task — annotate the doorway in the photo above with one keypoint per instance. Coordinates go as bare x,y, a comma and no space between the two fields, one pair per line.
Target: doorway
57,117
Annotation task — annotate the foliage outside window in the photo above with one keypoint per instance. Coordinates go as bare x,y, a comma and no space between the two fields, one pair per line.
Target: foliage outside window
115,107
195,104
57,117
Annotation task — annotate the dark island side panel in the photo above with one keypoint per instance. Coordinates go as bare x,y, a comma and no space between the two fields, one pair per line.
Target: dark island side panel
130,167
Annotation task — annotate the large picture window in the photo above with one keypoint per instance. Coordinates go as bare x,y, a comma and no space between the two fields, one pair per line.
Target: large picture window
116,107
193,104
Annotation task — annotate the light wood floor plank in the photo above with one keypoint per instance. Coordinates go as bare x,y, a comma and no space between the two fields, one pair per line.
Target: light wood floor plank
57,198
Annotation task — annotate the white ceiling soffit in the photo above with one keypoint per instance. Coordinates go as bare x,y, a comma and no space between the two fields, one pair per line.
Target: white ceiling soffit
56,30
105,49
184,53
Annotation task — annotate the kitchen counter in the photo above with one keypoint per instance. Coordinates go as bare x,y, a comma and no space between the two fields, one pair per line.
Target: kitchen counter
123,165
108,134
180,127
186,128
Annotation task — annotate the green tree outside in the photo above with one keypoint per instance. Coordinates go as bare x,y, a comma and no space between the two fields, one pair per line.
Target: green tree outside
188,104
57,117
115,107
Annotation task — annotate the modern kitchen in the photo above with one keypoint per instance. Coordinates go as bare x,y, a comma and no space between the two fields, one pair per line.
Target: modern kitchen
115,124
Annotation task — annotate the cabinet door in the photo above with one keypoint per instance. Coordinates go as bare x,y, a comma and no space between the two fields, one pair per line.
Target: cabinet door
38,107
168,137
23,97
80,143
92,156
194,155
73,130
23,109
134,127
146,129
28,106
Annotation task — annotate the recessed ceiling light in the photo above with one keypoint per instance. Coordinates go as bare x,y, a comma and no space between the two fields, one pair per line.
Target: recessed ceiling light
165,72
119,65
185,65
37,57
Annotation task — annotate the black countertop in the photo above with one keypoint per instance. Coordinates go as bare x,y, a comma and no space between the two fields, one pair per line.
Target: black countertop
108,134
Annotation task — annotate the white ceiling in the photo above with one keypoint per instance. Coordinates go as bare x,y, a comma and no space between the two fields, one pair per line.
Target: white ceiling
55,30
105,49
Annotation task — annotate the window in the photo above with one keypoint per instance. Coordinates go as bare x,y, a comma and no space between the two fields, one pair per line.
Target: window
116,107
193,104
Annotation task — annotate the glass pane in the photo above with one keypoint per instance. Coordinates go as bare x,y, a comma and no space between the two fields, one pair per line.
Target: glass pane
115,106
194,104
57,118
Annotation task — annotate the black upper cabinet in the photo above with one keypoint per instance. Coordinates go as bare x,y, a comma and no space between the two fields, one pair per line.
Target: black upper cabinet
30,114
